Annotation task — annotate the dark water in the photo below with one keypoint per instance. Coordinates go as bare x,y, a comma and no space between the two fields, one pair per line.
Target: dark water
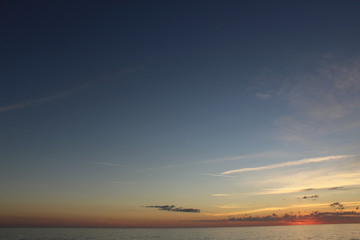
338,231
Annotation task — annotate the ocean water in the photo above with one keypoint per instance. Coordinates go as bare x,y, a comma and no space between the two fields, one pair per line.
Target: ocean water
315,232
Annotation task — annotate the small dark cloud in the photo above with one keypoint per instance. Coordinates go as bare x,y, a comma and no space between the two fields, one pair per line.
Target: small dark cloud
312,197
172,208
308,189
336,188
337,205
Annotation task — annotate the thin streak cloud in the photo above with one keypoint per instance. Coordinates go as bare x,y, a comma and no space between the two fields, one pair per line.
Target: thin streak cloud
122,182
272,154
40,100
287,164
63,94
220,195
104,163
216,175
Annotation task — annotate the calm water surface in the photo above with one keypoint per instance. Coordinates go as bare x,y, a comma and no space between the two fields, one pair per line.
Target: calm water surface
338,231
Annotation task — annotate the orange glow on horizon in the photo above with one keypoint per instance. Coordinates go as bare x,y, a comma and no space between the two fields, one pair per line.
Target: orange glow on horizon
141,223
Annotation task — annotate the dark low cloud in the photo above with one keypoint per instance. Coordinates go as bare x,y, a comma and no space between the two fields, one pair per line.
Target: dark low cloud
172,208
320,217
312,197
337,205
270,218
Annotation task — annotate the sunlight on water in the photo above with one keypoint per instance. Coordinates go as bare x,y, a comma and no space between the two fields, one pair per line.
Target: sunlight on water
328,232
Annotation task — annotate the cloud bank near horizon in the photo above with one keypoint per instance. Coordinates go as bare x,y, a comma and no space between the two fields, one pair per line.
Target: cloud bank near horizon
314,217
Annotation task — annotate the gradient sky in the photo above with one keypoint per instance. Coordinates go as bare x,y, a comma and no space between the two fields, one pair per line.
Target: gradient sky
235,112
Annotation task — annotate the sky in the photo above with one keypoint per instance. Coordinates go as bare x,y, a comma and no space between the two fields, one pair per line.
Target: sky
179,113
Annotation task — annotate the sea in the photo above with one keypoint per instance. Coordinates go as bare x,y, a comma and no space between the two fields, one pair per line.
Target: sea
315,232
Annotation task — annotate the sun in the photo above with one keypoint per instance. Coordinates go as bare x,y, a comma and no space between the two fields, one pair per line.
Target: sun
304,222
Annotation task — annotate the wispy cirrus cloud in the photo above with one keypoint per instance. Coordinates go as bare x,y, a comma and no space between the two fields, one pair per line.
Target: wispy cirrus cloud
287,164
325,100
232,206
314,181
